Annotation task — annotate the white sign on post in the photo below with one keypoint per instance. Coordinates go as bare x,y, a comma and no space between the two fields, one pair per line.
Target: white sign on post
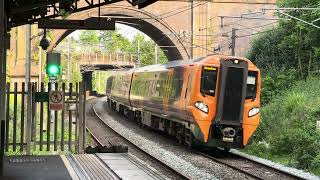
52,79
56,100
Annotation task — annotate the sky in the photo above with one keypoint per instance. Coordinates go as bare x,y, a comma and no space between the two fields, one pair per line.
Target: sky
124,30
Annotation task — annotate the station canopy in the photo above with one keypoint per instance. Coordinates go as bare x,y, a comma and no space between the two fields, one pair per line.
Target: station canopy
20,12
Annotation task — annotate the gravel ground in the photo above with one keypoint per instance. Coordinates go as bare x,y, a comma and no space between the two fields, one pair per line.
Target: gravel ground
174,155
107,135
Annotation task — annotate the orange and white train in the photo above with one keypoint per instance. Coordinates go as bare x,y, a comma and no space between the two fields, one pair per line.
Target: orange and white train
212,101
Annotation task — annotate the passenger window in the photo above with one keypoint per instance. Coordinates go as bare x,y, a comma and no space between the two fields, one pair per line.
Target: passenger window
208,80
251,85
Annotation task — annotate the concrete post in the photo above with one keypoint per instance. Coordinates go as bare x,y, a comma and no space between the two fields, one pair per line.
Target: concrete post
156,54
233,43
139,53
81,120
191,34
28,54
29,119
40,67
69,59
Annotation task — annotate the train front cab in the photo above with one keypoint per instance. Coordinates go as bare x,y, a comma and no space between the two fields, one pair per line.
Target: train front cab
236,115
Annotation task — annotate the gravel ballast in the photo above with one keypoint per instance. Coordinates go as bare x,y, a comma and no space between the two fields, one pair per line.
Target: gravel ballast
290,170
107,135
176,156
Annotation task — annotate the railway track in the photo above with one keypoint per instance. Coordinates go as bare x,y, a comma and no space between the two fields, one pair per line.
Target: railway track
241,164
266,166
96,139
221,161
229,159
241,169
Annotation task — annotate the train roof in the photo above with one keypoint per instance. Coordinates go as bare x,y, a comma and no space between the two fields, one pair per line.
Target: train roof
164,67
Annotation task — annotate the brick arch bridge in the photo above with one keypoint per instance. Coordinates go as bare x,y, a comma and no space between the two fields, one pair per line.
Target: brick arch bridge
157,29
185,33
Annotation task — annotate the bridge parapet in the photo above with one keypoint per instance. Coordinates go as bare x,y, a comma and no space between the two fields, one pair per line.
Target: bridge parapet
107,58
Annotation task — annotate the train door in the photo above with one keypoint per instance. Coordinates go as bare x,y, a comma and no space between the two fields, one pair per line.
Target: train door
188,89
232,91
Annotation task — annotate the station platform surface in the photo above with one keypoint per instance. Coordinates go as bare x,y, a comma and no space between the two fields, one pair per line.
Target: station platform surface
100,166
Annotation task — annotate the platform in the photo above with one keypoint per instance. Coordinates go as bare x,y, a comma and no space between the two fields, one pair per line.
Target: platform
101,166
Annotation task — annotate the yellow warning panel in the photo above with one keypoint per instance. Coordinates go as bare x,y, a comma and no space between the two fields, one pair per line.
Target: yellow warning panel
210,68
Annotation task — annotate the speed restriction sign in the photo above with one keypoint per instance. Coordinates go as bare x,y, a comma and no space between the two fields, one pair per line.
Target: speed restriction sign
56,100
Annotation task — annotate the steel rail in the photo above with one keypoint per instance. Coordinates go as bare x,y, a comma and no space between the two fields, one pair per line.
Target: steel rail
266,166
252,161
230,166
137,147
94,137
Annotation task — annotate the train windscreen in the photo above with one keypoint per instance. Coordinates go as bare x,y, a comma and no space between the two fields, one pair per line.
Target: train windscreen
208,80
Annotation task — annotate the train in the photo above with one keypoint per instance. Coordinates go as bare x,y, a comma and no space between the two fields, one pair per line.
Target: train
213,101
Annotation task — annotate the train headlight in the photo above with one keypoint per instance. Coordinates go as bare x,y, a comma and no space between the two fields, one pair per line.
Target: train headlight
253,111
202,106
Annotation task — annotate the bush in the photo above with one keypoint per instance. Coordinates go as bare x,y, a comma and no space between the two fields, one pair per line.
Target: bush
315,165
276,82
295,101
288,127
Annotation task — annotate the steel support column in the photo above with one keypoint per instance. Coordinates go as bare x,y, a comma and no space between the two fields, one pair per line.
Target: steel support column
3,33
191,33
87,79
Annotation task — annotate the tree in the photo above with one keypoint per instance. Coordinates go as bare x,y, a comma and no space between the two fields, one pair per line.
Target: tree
292,44
117,43
114,42
147,52
89,36
287,54
89,40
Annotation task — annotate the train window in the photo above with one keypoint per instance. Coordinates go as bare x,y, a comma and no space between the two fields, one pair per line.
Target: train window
208,80
251,85
176,88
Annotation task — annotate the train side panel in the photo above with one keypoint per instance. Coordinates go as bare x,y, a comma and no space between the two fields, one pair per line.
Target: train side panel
202,119
120,89
250,123
161,92
147,91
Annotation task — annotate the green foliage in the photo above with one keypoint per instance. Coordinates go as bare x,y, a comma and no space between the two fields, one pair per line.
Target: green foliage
105,42
315,165
117,43
114,42
276,82
99,79
146,50
288,127
292,44
269,53
89,36
287,55
75,75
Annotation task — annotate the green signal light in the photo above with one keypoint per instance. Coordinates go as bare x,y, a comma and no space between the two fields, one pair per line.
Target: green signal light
53,70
